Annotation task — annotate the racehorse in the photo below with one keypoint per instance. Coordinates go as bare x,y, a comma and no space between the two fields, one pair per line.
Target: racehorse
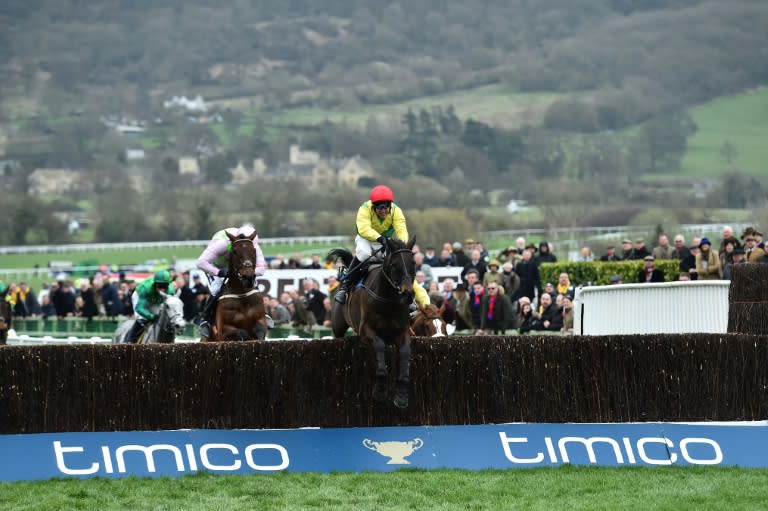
5,318
429,322
378,312
169,324
240,313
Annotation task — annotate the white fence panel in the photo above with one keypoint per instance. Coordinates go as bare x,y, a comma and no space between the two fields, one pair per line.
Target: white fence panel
669,307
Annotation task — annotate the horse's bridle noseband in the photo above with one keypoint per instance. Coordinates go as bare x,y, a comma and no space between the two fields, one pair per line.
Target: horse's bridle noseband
245,264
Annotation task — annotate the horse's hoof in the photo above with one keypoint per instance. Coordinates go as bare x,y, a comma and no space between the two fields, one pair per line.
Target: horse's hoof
401,401
379,393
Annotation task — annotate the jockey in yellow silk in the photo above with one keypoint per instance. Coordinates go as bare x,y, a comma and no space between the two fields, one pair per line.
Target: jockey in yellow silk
378,218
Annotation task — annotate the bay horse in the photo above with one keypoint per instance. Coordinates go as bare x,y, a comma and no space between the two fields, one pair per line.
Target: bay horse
240,313
377,311
429,322
170,323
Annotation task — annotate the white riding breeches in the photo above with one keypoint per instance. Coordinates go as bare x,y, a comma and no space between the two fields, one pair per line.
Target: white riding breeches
364,248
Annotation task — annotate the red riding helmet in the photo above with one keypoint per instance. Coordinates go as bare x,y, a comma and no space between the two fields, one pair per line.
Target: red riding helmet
382,193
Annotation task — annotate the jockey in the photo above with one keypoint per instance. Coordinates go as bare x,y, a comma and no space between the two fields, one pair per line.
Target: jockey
148,294
214,262
377,219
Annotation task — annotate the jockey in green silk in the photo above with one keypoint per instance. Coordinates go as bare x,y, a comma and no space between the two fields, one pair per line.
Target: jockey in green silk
148,296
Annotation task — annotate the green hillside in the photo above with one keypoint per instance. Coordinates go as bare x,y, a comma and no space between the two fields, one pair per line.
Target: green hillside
741,120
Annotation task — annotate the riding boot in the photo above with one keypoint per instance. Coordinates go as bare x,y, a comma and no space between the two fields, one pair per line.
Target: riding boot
209,316
133,334
346,282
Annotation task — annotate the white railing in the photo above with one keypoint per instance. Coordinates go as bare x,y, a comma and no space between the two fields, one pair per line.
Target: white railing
659,308
96,247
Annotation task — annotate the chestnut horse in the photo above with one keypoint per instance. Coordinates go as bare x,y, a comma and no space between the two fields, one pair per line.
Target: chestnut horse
377,311
429,322
240,313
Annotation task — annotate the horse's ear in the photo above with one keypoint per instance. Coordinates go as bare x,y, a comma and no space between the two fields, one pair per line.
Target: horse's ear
411,242
441,310
231,237
252,236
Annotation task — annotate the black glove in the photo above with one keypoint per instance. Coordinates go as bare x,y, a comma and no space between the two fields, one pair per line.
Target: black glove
223,273
382,240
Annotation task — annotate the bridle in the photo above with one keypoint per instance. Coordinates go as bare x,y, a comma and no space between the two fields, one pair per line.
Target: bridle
386,270
424,319
243,264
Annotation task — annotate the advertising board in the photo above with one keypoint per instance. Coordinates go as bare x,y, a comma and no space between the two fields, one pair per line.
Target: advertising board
501,446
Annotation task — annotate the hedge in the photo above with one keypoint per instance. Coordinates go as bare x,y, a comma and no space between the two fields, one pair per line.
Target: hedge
600,273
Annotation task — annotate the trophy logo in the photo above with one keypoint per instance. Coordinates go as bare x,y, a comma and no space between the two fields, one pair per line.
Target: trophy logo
395,451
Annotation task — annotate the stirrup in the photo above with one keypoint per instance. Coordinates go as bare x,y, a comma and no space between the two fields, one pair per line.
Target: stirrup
205,329
341,297
270,321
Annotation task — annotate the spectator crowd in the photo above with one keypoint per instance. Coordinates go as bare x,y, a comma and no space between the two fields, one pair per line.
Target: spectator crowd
493,294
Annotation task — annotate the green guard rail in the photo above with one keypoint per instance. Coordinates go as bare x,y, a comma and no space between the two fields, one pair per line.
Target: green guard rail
79,327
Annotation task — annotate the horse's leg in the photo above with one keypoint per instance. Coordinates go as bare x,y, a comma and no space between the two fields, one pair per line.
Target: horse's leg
260,331
380,383
404,374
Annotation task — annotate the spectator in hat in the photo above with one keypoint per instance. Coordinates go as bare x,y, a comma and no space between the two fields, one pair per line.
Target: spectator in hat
430,256
493,274
511,254
460,303
736,258
649,272
626,250
751,241
616,279
610,254
640,250
707,261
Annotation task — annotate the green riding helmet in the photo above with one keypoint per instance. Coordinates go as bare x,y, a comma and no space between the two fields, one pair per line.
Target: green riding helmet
163,277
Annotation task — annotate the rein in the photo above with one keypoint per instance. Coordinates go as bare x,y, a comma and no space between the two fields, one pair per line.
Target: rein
401,297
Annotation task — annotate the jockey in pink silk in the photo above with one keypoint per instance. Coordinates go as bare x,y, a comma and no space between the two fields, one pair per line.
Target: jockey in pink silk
214,262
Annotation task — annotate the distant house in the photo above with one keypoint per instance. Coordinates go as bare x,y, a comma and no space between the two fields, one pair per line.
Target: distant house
129,130
189,166
134,154
308,167
57,181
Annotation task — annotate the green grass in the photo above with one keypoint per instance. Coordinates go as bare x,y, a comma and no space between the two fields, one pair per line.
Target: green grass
741,120
571,488
494,104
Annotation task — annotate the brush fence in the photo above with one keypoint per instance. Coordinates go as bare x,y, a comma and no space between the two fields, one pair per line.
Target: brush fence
329,383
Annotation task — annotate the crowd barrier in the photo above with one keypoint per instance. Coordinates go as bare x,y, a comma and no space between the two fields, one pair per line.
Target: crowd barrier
80,327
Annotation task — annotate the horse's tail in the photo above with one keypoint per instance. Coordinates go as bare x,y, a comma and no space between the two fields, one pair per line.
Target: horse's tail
341,253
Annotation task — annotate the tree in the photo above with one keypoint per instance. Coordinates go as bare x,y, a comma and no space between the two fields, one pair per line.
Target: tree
662,142
728,152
